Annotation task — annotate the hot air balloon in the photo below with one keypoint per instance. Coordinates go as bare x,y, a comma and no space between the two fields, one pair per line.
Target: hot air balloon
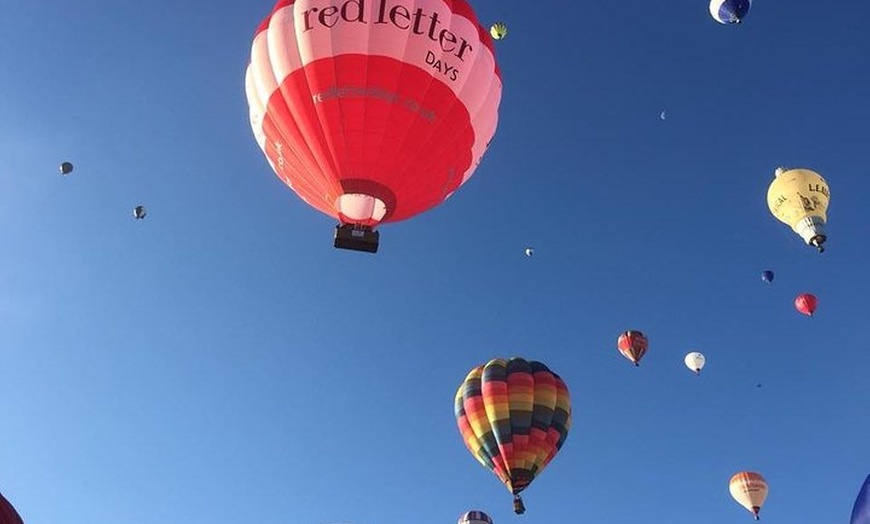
695,361
729,11
806,303
767,276
799,198
861,510
139,212
65,168
749,489
373,112
474,517
514,416
8,515
529,251
633,345
498,30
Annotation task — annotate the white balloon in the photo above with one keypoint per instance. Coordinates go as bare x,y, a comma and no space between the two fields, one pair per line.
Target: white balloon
695,361
529,251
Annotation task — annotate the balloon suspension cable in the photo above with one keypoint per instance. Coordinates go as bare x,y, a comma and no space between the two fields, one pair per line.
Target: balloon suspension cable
519,507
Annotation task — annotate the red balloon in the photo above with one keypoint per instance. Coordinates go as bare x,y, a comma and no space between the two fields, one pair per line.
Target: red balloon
633,345
806,303
373,110
8,515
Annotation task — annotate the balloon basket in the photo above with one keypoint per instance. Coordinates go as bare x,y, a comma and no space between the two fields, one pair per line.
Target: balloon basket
356,238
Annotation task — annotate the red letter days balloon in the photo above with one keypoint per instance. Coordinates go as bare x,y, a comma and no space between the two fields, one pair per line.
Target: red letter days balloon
633,345
514,416
8,515
373,110
806,303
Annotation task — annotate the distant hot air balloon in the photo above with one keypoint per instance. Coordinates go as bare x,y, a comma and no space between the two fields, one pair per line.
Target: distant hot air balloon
729,11
662,115
633,345
514,416
139,212
369,115
749,489
8,515
498,30
474,517
861,510
767,275
695,361
66,168
799,198
529,251
806,303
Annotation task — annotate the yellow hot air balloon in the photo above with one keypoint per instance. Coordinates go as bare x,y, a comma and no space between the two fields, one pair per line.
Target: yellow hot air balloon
799,198
498,30
749,489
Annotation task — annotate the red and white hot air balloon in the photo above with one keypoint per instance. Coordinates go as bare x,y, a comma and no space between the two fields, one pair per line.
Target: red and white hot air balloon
373,111
633,345
806,303
749,489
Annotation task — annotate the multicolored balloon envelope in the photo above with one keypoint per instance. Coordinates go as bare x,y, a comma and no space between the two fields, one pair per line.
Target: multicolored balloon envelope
373,111
633,345
514,416
861,510
749,489
729,11
8,515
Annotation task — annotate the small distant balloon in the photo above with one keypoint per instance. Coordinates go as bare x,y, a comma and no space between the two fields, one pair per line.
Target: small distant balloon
529,251
498,30
633,345
474,517
139,212
695,361
767,276
663,115
749,489
806,303
729,11
66,168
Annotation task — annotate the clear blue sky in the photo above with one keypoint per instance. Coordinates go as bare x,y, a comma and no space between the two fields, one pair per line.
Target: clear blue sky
221,362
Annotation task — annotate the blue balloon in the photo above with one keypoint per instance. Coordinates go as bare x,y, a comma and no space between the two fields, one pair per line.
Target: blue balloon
861,511
767,275
729,11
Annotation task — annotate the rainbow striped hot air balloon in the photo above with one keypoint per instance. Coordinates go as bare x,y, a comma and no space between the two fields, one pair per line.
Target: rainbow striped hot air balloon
514,416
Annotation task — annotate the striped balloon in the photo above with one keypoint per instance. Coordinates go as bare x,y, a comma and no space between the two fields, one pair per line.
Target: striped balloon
8,515
514,416
373,111
729,11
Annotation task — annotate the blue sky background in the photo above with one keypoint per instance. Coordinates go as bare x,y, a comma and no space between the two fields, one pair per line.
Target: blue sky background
221,362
